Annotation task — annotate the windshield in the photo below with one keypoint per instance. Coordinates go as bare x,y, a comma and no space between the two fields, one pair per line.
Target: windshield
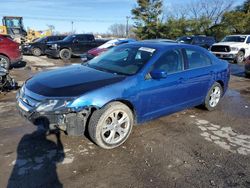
69,38
125,60
13,22
186,40
234,39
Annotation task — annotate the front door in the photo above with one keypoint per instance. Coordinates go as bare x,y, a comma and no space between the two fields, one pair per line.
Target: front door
166,95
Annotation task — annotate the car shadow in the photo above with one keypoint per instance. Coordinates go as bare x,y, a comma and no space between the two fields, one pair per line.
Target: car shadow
36,162
238,70
18,65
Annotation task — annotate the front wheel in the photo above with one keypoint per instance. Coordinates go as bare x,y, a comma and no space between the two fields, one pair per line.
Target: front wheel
37,52
65,54
240,57
111,126
4,62
213,96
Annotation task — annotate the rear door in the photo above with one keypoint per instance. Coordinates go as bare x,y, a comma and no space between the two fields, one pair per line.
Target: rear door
198,76
84,43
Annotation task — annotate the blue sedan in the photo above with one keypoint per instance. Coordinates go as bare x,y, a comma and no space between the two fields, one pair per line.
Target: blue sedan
127,85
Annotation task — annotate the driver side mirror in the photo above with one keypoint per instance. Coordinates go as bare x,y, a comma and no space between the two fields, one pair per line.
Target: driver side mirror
158,74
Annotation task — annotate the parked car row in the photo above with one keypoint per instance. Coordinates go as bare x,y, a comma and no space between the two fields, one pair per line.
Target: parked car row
233,47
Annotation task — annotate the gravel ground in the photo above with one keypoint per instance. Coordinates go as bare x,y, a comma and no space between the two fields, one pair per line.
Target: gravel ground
192,148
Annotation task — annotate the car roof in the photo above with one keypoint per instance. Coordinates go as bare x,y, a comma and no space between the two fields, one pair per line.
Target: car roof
160,45
158,40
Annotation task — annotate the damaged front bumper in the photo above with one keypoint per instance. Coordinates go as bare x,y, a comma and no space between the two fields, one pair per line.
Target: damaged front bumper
73,123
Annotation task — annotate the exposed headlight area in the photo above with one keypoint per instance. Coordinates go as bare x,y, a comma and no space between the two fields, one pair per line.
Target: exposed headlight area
55,106
60,113
54,46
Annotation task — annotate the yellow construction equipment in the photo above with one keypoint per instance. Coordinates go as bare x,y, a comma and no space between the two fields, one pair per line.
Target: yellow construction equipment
13,26
33,34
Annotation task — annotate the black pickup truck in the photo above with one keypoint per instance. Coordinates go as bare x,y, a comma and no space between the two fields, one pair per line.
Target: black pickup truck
75,44
38,46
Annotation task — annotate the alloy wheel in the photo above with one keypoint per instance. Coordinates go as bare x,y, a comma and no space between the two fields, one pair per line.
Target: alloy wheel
215,96
3,62
116,127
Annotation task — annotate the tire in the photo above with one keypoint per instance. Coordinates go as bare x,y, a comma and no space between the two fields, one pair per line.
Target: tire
213,97
36,52
104,127
247,75
4,62
65,54
240,57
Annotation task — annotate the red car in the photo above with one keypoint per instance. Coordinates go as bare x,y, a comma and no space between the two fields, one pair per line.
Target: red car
247,66
9,52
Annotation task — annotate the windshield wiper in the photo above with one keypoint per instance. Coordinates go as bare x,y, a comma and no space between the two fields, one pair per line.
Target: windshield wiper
106,70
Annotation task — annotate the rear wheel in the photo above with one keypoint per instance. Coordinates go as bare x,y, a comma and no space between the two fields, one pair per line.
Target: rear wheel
4,62
36,51
111,126
213,96
65,54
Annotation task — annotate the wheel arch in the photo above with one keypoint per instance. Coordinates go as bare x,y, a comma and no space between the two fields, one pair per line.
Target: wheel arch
221,83
128,103
243,50
68,48
5,55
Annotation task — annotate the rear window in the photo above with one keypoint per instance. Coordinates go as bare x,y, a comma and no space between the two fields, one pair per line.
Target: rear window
197,59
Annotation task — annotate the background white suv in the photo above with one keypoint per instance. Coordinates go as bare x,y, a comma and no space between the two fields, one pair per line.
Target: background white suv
232,47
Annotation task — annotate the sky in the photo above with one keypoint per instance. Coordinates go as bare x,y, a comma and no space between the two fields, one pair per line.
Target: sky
87,15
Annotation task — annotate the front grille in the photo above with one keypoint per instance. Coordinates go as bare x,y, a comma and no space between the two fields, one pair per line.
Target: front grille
220,48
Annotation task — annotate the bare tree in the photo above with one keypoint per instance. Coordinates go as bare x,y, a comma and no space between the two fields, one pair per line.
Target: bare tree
212,9
119,30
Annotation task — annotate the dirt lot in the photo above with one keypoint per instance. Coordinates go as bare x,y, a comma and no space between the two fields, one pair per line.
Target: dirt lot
192,148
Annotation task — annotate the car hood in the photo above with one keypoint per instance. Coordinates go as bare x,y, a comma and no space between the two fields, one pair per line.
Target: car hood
232,44
71,81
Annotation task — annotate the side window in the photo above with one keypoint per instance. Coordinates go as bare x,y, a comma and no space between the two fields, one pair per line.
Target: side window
90,38
81,38
196,59
85,38
197,40
170,61
49,39
248,40
61,37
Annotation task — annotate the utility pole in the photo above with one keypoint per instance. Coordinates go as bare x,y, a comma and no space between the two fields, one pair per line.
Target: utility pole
72,26
127,17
